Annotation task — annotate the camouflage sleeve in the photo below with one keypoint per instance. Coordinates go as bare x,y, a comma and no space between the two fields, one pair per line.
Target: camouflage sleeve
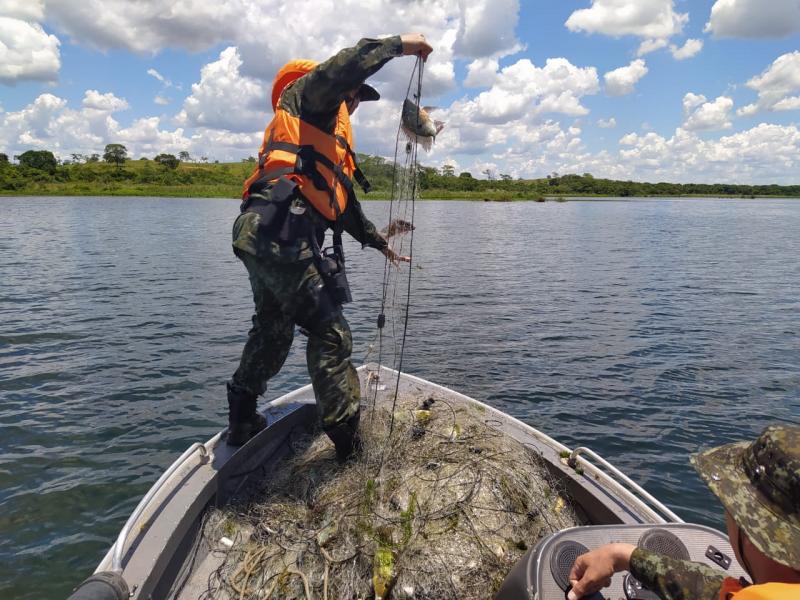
325,87
356,223
675,579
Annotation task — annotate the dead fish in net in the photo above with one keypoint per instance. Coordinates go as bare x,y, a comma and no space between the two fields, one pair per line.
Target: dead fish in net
397,226
418,125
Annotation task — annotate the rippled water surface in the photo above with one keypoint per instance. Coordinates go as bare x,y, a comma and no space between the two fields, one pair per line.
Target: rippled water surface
644,329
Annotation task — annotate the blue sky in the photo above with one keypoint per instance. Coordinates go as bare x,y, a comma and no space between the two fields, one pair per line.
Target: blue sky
691,118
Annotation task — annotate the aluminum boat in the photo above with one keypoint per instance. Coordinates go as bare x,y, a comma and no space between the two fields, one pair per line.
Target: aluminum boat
160,553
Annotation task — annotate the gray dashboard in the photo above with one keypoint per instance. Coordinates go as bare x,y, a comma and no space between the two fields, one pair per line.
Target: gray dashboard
542,573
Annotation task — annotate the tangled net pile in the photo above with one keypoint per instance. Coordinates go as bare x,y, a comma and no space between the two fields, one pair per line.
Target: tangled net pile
441,509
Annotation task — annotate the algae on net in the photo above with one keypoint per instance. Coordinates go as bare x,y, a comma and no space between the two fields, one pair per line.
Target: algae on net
442,508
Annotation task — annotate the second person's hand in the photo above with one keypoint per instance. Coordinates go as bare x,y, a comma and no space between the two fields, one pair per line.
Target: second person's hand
593,571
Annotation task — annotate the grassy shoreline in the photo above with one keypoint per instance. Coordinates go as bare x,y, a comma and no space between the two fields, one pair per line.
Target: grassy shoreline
226,192
224,180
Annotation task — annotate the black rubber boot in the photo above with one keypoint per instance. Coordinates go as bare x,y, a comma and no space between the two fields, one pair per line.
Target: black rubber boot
243,420
346,439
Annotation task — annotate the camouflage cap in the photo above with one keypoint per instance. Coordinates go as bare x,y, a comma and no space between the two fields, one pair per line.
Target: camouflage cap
759,483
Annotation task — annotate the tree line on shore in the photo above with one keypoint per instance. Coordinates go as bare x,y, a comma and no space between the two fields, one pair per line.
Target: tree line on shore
39,171
116,154
447,182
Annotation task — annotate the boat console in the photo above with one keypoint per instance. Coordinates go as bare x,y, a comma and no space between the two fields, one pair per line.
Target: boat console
543,573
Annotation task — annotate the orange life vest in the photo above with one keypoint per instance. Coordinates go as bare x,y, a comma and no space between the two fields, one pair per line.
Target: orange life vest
322,164
733,590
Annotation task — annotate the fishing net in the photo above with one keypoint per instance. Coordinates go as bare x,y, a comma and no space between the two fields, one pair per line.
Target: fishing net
439,504
388,344
440,508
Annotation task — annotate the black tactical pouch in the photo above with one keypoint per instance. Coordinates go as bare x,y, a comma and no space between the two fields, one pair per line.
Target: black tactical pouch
326,293
282,210
330,264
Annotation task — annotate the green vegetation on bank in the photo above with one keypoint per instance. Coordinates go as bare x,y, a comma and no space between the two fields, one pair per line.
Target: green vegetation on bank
39,173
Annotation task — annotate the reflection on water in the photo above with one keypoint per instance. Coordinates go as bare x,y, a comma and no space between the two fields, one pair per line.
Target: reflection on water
644,329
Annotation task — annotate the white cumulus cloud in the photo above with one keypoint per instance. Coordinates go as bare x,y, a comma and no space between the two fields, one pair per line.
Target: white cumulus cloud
764,154
27,51
778,86
225,99
267,33
230,98
25,10
29,124
107,102
702,115
147,27
754,18
510,122
607,123
49,123
692,101
747,111
648,46
792,103
622,81
145,137
524,89
481,72
487,29
443,22
655,21
691,48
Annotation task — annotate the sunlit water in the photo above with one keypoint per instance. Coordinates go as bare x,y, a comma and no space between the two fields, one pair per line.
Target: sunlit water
644,329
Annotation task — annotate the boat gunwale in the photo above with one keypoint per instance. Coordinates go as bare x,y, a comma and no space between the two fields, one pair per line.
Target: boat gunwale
597,473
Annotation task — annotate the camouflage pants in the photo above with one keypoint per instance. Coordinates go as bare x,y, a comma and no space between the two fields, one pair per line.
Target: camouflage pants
289,294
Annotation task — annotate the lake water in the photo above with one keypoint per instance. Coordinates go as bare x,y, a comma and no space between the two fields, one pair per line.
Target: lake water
644,329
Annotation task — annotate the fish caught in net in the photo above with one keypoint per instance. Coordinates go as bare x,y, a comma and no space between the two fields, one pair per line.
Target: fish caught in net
418,126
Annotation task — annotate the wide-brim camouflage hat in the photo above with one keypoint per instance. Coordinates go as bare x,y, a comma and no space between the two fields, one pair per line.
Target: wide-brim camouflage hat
367,93
759,483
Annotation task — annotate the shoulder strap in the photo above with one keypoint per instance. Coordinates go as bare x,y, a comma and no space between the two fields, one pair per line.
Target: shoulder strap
306,161
358,174
305,164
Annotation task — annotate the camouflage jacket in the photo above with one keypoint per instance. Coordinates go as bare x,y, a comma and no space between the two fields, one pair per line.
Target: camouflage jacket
675,579
316,99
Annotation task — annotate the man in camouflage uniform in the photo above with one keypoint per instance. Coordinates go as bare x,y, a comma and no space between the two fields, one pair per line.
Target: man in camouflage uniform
758,483
287,287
